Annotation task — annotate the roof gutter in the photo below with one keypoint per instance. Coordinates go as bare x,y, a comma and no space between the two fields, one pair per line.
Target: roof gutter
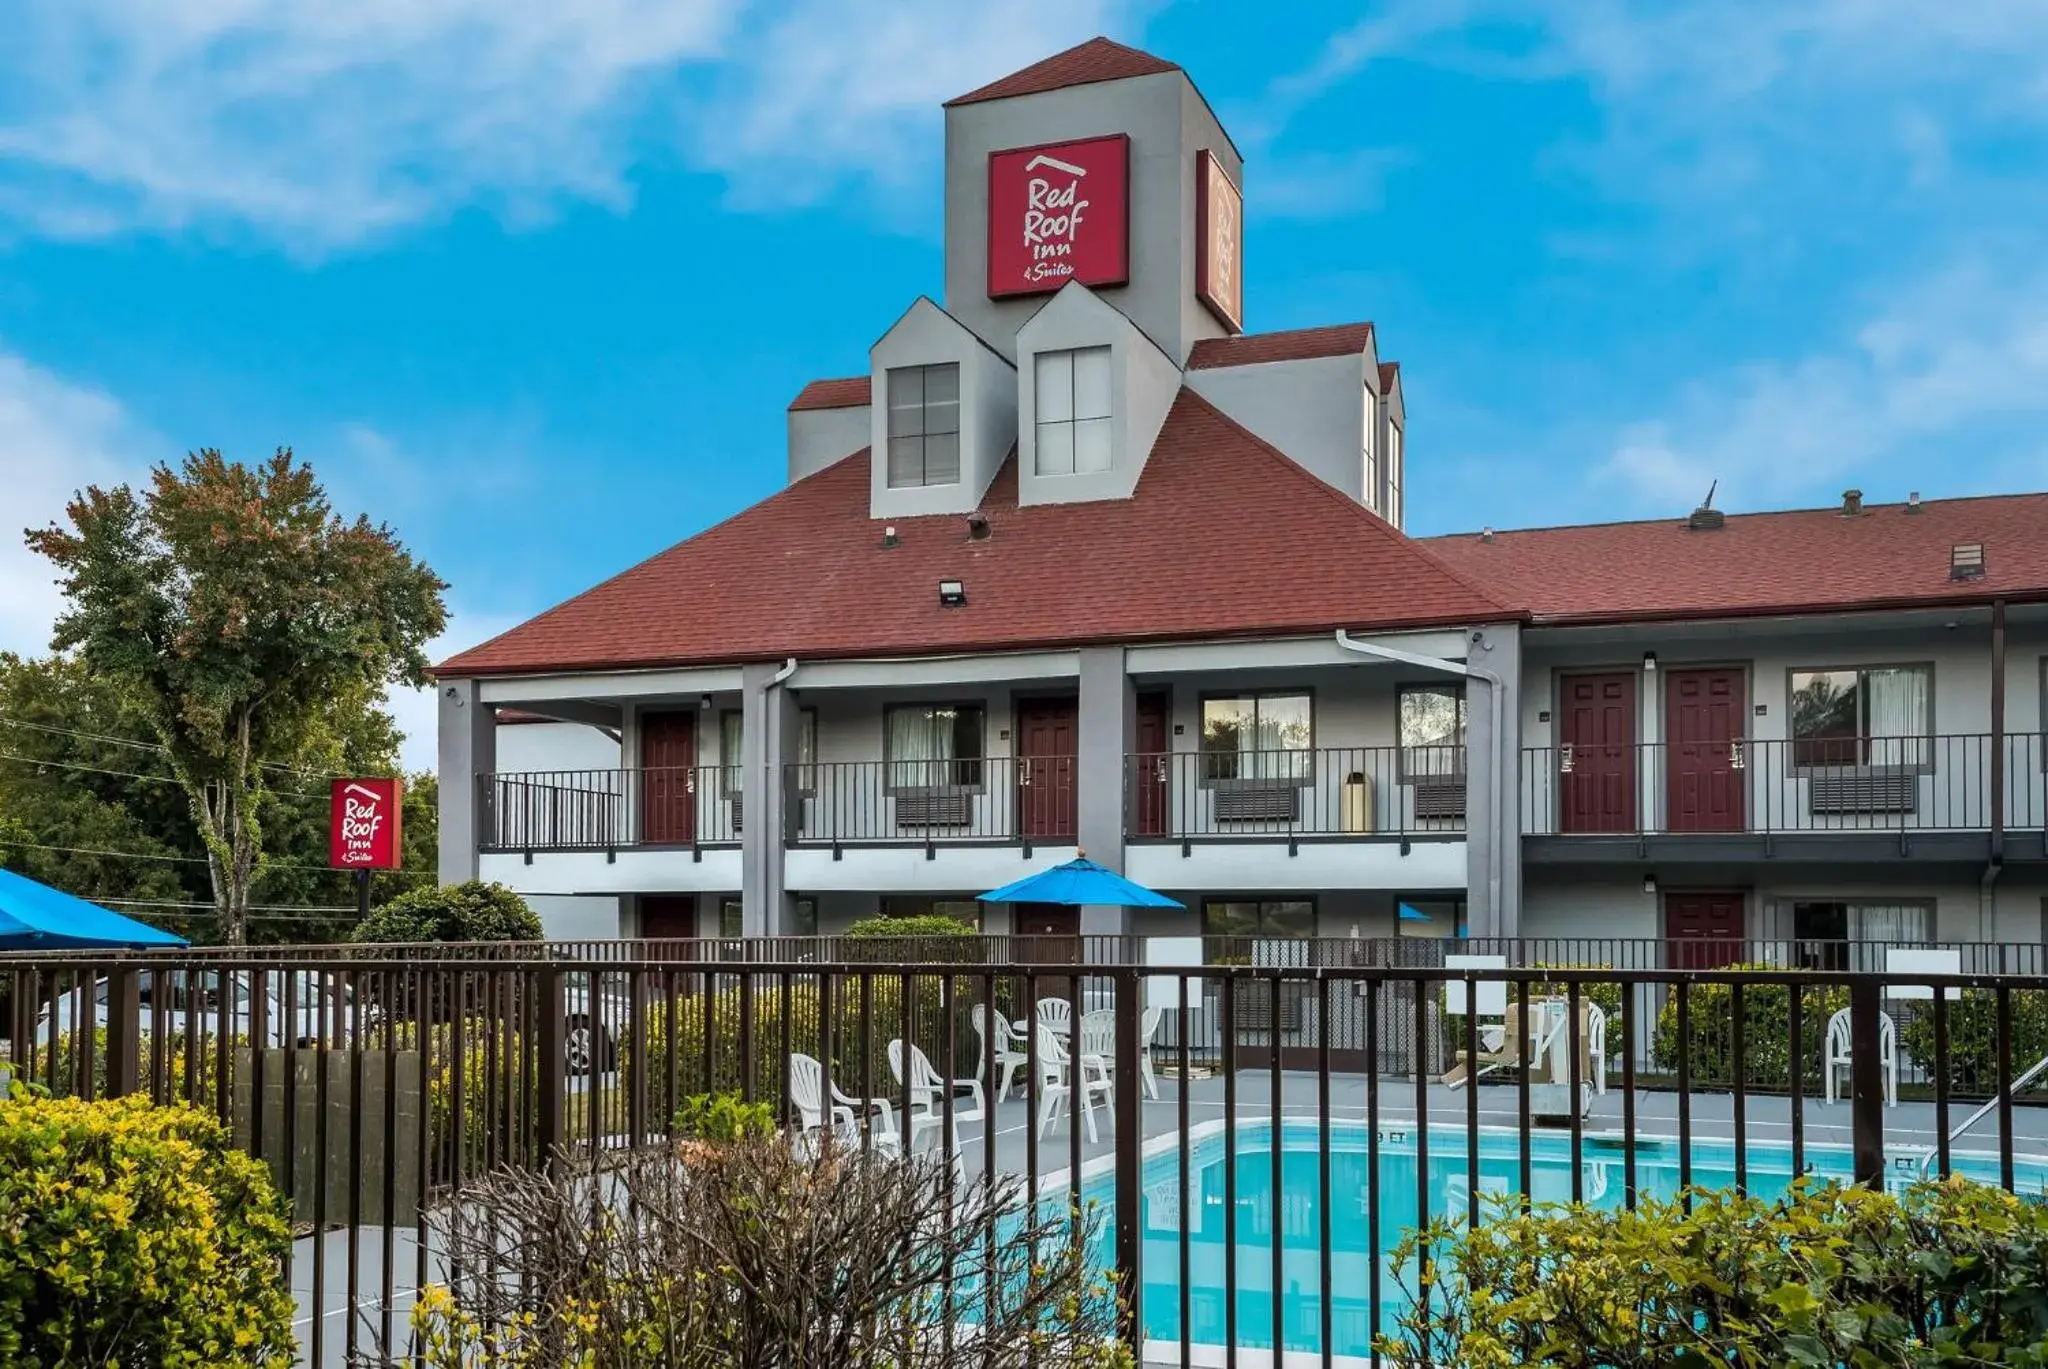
1495,691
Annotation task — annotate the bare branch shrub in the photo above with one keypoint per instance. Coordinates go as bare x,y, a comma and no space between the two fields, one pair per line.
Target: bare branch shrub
768,1254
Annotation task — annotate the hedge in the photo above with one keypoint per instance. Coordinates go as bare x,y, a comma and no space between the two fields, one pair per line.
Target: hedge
1766,1032
136,1236
1973,1037
1948,1274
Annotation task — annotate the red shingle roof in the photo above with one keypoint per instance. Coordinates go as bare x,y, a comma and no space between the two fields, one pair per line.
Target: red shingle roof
1811,560
803,573
1296,344
1390,372
1098,59
849,392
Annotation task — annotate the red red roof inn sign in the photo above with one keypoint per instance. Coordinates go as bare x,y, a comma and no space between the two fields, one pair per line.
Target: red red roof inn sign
363,824
1057,213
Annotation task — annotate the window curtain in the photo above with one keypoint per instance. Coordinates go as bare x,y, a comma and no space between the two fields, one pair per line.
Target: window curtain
1895,713
918,747
1279,737
1899,924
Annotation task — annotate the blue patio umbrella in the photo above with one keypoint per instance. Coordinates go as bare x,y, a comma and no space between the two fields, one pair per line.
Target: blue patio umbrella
1080,882
35,917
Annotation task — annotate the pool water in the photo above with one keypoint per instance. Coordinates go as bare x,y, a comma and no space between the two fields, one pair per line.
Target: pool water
1354,1249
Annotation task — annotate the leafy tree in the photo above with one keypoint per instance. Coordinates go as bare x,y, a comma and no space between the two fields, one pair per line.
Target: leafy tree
237,613
73,815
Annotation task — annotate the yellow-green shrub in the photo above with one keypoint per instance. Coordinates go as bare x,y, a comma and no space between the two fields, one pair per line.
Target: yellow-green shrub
133,1235
1767,1054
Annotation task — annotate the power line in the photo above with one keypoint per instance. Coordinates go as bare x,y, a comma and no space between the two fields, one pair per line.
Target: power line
254,907
158,746
133,774
198,860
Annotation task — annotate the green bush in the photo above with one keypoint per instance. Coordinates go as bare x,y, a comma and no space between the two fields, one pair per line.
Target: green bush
1766,1031
135,1236
907,928
762,1042
723,1119
1954,1273
1606,997
1973,1037
473,911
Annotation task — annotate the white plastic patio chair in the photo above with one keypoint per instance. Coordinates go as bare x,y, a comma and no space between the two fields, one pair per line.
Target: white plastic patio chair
1098,1038
1009,1054
1834,1055
806,1089
1056,1082
1056,1013
930,1092
1148,1027
1596,1045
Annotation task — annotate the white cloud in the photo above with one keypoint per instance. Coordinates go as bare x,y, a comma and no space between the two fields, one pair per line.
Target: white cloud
56,437
1945,384
321,125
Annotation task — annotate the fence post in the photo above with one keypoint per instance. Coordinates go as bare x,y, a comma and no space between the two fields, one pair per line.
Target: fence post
124,1030
1130,1147
551,1063
1866,1079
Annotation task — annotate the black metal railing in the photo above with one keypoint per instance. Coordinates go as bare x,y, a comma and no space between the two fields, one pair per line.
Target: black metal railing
1354,793
600,810
997,799
1962,783
1293,1115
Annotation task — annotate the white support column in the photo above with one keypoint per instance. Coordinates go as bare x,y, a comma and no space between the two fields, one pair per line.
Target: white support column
1493,784
768,744
1107,706
468,737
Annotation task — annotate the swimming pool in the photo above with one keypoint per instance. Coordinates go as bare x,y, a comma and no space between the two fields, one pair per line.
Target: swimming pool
1356,1247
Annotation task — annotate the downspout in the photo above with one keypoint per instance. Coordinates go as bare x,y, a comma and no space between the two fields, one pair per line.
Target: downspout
1346,642
788,669
1987,900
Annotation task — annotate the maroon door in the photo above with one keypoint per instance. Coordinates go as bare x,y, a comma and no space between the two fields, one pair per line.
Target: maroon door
1149,784
668,778
668,917
1703,750
1597,770
1046,754
1703,931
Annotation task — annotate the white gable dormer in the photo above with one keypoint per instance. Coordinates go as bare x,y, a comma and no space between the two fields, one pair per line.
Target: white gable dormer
1093,392
942,419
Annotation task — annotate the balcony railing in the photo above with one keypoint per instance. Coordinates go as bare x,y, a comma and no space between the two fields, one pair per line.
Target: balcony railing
1359,793
1830,785
600,810
987,801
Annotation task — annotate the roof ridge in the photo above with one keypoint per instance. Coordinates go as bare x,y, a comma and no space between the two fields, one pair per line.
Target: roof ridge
1675,519
1412,544
648,560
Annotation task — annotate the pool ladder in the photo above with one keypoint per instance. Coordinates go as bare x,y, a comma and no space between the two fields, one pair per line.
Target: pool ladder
2040,1067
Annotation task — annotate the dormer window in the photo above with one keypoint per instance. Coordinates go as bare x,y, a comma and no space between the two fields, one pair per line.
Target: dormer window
924,425
1394,474
1371,488
1073,420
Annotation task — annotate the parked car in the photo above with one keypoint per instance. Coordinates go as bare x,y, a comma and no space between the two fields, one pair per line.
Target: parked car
181,1002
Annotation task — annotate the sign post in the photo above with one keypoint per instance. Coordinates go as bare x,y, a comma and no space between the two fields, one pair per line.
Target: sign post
365,830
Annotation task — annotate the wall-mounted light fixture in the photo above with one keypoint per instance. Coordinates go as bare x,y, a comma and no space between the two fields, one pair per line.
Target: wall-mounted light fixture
1649,884
952,594
1649,660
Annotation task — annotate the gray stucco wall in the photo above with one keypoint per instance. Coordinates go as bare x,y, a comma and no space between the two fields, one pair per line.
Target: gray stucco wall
1314,411
1167,123
819,438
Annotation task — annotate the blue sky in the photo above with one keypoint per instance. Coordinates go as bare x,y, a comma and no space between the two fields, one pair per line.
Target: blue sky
534,282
